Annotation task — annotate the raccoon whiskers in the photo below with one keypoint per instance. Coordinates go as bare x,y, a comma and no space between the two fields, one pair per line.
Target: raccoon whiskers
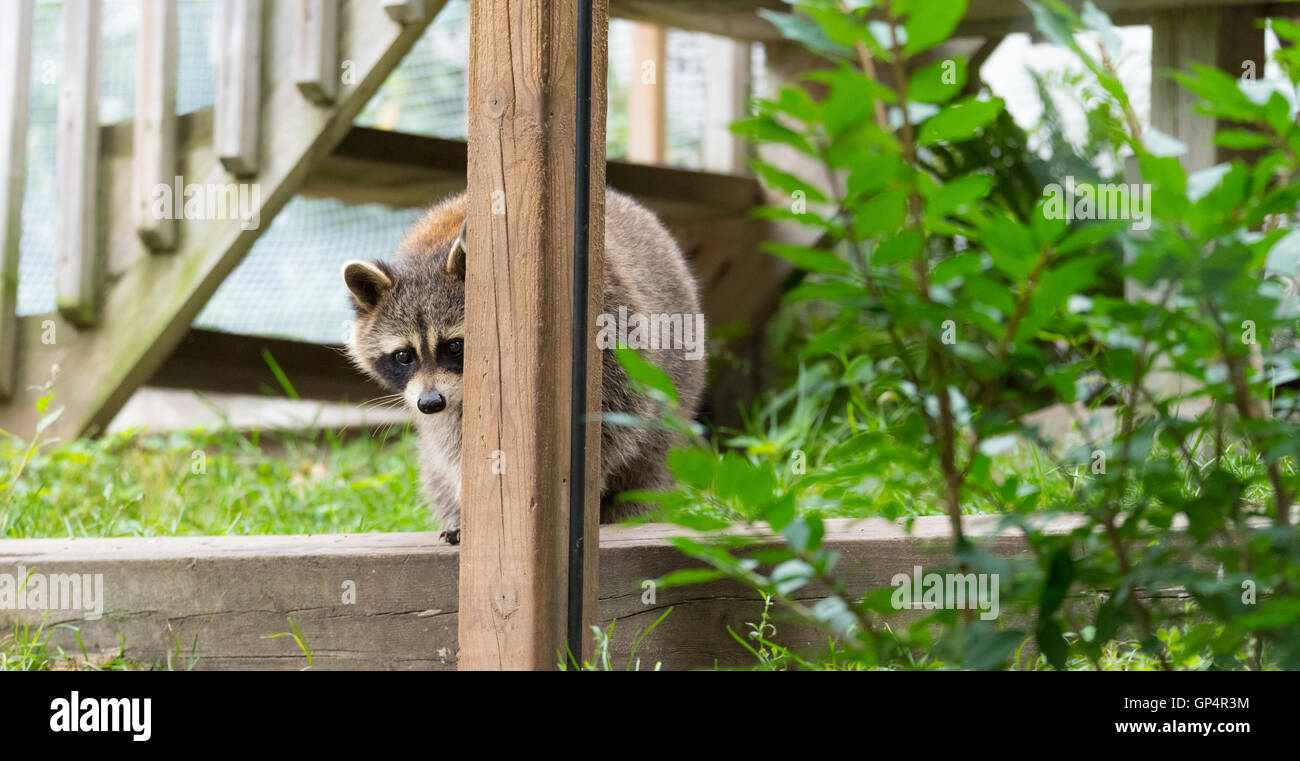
388,401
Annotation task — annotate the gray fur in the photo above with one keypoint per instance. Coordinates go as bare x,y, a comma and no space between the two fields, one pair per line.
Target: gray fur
644,272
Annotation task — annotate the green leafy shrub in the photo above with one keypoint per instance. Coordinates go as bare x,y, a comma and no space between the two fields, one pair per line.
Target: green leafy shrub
949,305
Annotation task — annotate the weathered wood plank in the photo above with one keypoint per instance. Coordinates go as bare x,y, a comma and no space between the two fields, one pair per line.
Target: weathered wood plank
154,299
81,264
317,57
519,322
155,122
238,125
15,86
646,119
222,595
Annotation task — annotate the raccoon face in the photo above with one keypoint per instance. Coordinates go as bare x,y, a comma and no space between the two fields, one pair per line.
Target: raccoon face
409,333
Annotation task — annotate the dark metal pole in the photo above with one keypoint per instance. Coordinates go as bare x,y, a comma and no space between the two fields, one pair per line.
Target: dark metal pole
578,394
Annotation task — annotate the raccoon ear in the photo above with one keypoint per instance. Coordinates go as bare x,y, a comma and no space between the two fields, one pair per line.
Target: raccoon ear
367,281
456,256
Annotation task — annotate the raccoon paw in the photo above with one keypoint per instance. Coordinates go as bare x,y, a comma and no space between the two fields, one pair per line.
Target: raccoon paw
451,537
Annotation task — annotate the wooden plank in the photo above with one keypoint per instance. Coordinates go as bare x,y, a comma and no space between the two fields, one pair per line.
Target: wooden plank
411,171
238,106
80,272
317,58
726,100
223,362
646,98
406,11
519,281
15,85
154,299
732,18
222,595
155,123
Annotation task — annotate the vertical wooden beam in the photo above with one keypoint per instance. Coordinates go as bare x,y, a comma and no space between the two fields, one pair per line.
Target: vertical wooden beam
646,141
1226,38
518,316
238,109
726,100
154,142
81,264
316,58
405,11
15,84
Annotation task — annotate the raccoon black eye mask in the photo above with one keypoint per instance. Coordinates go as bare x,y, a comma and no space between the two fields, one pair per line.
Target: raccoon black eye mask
409,336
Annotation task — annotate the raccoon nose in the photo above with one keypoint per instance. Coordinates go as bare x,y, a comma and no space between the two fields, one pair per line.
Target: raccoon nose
431,402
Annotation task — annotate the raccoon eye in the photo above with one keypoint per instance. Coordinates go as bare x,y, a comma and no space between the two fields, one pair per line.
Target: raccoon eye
403,357
456,345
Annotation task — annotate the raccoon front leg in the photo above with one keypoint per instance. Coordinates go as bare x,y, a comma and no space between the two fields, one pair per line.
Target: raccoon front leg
444,498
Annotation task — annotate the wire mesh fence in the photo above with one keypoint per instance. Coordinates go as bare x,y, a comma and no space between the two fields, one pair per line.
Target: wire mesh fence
288,285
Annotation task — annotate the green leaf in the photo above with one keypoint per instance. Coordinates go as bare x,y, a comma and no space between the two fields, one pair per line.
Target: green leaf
930,22
786,182
881,215
1284,256
694,467
791,575
1242,140
641,370
901,247
1051,642
810,259
1097,20
954,195
48,420
803,31
959,121
992,650
938,82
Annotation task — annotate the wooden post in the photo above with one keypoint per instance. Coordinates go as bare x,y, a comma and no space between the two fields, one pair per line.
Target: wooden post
726,100
81,264
1226,38
316,58
646,100
15,83
518,317
238,108
154,144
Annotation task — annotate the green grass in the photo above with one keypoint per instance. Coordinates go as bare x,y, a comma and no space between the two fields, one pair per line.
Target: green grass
211,483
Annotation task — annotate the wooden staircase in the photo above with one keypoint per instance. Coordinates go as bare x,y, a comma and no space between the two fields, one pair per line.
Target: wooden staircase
131,281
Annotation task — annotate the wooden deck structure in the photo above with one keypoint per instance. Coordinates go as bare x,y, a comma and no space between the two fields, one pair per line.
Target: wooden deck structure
130,284
391,601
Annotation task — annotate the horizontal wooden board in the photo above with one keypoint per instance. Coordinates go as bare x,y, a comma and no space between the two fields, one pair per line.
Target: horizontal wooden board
221,597
207,360
412,171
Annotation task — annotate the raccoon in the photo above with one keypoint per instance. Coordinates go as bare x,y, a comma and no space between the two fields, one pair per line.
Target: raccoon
409,335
